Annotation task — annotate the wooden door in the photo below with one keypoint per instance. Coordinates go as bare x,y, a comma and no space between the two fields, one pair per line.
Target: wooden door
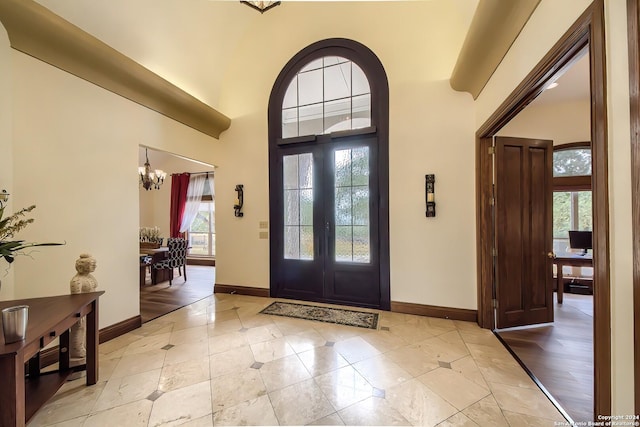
523,227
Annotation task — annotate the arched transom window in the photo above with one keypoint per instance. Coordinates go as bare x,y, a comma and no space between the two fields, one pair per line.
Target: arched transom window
328,94
574,160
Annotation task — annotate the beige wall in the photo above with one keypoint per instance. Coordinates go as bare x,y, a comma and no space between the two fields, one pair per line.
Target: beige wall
91,129
6,150
76,157
431,131
547,24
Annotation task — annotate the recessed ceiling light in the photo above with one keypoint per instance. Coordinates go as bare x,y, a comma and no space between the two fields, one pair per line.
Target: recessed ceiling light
551,86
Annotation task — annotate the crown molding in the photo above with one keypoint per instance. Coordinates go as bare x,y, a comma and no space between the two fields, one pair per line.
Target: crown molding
495,26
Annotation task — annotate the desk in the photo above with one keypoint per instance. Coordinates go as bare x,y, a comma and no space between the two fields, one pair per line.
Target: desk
49,318
569,259
157,255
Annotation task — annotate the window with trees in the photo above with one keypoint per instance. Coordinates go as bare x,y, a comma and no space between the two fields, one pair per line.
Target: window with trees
202,233
572,201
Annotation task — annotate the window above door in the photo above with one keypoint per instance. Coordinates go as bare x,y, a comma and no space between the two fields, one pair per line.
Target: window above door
572,167
328,94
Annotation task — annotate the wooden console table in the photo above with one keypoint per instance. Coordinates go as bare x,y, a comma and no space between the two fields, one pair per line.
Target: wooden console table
573,260
49,318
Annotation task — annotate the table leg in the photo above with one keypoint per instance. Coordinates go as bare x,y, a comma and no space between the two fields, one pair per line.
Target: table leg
12,393
63,351
560,282
143,274
34,366
92,344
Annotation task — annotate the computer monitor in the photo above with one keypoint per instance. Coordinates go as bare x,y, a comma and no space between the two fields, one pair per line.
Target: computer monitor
580,240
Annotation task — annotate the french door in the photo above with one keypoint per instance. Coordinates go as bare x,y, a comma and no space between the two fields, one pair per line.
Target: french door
325,221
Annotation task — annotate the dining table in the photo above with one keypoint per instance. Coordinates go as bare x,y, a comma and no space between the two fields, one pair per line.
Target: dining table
150,256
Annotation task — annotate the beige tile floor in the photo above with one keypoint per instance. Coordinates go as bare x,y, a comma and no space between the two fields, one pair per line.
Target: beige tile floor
220,362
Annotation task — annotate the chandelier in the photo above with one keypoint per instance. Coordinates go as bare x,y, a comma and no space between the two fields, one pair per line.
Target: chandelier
150,179
261,6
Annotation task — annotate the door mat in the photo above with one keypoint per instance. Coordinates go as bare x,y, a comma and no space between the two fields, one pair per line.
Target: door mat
340,316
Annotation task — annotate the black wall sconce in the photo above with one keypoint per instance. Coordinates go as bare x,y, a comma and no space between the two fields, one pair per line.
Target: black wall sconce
429,186
237,208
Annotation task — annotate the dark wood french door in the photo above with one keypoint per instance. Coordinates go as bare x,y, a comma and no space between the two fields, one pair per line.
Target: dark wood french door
325,231
523,225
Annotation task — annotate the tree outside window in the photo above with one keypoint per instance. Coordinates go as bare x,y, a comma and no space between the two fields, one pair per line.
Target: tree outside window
571,211
202,237
572,203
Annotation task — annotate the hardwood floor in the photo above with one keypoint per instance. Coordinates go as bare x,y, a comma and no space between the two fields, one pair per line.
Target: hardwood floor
160,299
560,356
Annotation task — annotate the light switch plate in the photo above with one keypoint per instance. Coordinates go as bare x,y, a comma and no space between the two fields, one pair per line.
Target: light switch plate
263,235
263,224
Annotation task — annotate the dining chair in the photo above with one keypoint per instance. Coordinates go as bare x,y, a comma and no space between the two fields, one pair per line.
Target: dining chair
176,258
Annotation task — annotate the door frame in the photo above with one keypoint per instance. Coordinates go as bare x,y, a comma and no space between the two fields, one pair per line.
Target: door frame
586,32
377,76
633,29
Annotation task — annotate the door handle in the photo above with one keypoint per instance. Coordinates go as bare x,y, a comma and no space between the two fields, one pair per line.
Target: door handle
551,255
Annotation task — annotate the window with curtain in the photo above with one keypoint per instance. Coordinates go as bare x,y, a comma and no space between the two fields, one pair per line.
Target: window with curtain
198,219
194,196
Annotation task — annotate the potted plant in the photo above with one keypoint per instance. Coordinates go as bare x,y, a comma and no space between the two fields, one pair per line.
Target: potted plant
9,227
150,237
14,319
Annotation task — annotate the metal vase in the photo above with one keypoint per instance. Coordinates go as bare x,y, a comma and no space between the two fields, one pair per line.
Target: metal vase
14,323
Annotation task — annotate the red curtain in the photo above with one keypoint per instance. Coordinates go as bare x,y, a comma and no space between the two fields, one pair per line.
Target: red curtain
179,185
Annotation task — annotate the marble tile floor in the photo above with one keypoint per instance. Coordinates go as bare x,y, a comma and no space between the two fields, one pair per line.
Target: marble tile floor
219,362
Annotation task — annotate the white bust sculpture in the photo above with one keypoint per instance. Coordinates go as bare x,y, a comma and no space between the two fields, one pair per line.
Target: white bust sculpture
82,282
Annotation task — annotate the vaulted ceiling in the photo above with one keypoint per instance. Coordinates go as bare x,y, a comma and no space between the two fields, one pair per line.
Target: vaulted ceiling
191,42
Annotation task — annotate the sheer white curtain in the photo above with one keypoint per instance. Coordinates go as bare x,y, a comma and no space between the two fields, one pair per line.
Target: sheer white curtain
210,181
194,196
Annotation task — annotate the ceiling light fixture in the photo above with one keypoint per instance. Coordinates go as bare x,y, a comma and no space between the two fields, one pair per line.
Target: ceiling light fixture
150,179
551,86
261,6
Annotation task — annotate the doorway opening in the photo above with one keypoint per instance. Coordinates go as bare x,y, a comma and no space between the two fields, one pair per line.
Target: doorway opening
192,281
587,33
562,114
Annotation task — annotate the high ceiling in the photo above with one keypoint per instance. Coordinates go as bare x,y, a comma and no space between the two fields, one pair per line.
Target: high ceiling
187,42
191,42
